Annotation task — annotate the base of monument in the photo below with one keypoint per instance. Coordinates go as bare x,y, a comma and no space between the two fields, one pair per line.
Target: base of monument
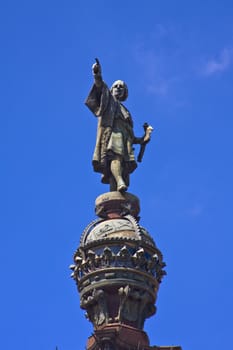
116,204
118,336
122,337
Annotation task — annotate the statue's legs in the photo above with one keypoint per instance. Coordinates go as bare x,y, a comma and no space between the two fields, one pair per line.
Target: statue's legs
113,184
116,170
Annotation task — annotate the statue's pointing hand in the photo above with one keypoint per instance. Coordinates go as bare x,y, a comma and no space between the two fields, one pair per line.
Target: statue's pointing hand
96,68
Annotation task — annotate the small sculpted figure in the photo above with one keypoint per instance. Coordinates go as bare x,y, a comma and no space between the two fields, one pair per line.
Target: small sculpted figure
113,155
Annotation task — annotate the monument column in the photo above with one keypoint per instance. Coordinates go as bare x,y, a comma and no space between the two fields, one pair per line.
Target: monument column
117,266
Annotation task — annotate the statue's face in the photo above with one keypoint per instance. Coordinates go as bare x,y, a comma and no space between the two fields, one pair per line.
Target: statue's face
118,90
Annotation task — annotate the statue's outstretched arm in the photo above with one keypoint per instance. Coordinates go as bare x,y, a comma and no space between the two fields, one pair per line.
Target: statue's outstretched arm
96,69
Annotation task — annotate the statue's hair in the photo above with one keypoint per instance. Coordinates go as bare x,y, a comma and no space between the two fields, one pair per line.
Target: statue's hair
126,89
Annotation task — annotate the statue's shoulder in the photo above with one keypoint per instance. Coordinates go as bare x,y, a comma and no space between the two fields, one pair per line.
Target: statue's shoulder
125,112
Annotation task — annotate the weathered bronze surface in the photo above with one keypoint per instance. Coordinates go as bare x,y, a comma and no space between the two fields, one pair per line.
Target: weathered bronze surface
114,204
117,267
122,337
113,155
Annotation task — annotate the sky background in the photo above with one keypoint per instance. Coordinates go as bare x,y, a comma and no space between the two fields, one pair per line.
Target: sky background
177,59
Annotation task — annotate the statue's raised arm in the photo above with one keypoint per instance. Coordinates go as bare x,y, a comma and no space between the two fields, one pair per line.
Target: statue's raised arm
113,155
97,73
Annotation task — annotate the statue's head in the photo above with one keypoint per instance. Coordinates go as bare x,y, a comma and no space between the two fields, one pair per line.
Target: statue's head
119,90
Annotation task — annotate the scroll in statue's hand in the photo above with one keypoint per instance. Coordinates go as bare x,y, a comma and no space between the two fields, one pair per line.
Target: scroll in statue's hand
148,132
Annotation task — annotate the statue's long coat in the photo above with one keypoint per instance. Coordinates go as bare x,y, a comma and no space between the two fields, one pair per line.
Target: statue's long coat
115,134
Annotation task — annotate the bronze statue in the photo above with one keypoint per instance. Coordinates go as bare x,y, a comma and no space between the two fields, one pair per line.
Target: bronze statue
113,155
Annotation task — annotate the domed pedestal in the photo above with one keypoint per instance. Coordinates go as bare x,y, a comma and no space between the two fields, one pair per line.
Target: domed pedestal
117,269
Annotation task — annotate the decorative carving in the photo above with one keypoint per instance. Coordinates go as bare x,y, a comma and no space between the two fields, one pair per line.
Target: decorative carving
124,253
160,273
146,237
107,257
105,229
96,307
135,306
118,267
87,230
125,257
91,262
139,259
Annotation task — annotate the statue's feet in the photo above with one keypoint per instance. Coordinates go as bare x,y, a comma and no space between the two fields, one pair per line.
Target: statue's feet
121,186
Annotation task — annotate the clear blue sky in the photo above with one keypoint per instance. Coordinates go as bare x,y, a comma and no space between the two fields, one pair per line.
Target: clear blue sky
177,59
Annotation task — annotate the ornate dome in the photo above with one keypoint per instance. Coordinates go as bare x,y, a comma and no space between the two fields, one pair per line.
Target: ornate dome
125,228
117,266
